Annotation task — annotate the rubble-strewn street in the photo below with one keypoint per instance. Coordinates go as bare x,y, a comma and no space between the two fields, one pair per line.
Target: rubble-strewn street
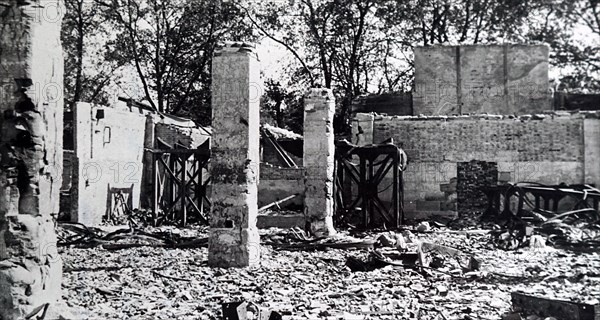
160,283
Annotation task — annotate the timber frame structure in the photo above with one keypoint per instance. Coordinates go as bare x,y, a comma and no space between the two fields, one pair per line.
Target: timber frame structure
546,199
180,183
357,186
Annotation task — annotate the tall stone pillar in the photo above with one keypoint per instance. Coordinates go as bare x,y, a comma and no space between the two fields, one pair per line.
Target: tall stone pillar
319,150
234,239
31,123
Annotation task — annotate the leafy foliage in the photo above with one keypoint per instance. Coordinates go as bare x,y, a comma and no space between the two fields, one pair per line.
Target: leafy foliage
285,105
351,46
572,29
168,44
87,67
357,47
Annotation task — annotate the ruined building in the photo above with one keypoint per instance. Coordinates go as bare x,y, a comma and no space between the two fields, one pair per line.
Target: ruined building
483,115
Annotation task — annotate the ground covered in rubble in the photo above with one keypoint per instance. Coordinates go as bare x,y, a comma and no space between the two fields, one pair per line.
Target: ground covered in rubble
166,283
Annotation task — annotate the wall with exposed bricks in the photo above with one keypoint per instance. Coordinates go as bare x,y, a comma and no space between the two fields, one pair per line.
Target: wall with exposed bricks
461,139
277,183
472,176
547,148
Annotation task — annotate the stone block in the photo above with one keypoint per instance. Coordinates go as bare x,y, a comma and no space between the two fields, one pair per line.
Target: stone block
527,78
497,79
504,176
285,221
362,129
482,79
428,205
233,247
435,81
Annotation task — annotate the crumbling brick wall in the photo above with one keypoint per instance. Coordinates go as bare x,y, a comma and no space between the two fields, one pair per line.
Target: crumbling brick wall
472,176
277,183
548,148
31,118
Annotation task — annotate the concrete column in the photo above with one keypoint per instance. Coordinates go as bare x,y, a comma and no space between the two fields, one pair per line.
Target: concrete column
31,122
319,149
234,239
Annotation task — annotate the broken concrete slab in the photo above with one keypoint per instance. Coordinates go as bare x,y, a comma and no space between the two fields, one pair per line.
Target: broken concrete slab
496,79
285,220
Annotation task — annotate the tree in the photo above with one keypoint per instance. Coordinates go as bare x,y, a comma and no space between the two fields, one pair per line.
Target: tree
285,105
340,42
87,73
168,45
572,29
465,21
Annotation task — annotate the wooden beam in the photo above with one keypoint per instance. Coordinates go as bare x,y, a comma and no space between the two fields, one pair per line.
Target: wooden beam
557,308
278,202
197,152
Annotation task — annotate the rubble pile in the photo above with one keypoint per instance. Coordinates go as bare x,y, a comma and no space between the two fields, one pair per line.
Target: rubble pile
435,274
576,230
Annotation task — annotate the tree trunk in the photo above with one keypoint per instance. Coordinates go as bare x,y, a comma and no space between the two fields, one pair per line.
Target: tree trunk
79,59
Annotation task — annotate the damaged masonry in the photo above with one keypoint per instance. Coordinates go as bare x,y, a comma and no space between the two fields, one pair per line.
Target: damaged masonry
30,152
473,196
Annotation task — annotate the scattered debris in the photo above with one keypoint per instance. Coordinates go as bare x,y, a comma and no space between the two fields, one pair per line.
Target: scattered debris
297,240
535,227
370,281
247,311
79,235
423,226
